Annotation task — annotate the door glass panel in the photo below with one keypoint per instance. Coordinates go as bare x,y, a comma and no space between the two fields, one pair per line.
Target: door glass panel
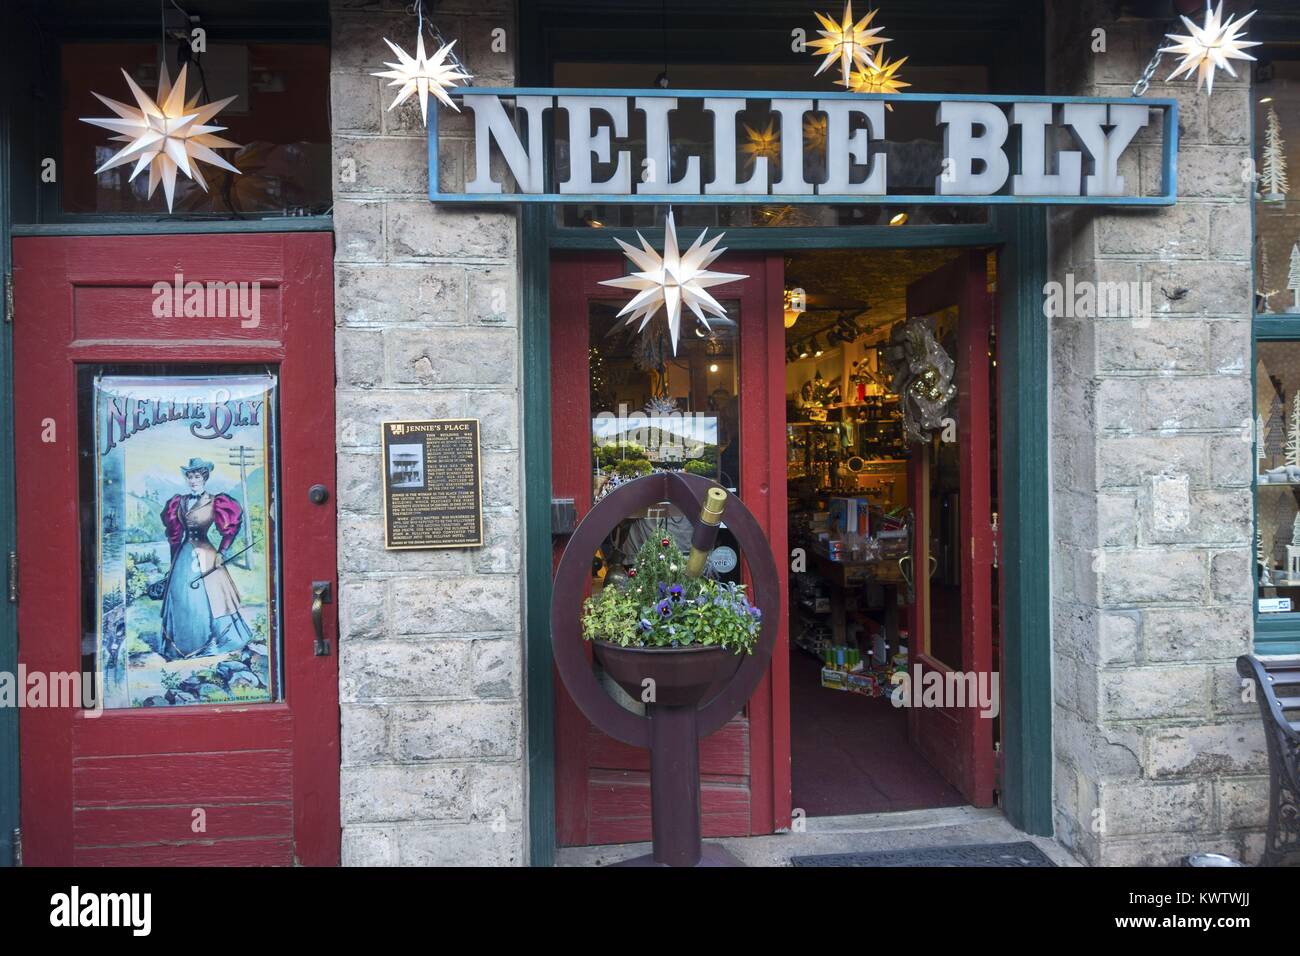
656,411
1277,426
180,540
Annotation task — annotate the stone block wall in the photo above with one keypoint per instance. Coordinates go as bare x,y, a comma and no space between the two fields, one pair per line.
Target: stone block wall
1156,753
426,326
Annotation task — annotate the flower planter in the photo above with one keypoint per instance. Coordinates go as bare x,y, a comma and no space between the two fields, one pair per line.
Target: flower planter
682,675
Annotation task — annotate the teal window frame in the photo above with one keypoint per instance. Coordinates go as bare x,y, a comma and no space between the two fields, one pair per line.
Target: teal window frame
1274,634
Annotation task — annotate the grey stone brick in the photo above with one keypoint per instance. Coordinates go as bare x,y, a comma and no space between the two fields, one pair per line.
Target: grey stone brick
480,844
395,295
456,730
451,356
392,670
363,608
1154,692
364,735
1142,808
391,165
496,668
457,605
1201,751
415,233
394,794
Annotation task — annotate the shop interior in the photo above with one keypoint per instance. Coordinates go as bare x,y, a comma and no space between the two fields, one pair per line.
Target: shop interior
850,512
849,507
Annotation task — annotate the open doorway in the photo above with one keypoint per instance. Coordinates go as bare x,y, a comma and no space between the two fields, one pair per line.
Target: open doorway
890,432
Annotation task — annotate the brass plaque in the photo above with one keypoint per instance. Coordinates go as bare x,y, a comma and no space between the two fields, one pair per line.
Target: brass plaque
432,484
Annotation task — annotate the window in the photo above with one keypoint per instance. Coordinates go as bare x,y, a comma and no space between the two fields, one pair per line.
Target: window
1276,108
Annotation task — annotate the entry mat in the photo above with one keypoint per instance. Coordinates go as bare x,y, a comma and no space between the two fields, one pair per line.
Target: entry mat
987,854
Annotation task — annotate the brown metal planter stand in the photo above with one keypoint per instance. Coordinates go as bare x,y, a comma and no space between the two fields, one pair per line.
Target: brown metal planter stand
682,712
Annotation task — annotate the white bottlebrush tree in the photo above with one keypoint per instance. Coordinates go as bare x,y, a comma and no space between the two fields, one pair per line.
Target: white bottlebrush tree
1273,184
1293,433
1293,277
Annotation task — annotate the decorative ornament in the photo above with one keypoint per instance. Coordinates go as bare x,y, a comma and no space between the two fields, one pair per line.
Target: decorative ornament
922,378
879,76
423,75
672,280
766,143
847,42
1272,176
165,135
814,133
660,407
1211,46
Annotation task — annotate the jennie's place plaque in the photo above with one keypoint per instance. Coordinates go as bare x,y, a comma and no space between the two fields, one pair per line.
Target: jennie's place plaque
432,484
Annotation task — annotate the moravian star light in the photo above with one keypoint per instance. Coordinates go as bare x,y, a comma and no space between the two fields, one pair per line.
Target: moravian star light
423,75
879,76
1210,46
672,280
848,42
165,135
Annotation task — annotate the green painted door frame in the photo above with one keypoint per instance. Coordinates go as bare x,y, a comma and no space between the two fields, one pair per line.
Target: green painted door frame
1020,234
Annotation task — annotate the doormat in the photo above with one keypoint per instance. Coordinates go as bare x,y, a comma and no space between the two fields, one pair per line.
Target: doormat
987,854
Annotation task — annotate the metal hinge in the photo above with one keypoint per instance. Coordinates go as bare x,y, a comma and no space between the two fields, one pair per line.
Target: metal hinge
997,536
18,846
13,577
9,298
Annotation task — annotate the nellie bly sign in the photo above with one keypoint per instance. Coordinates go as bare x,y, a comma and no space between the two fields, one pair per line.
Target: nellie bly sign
710,146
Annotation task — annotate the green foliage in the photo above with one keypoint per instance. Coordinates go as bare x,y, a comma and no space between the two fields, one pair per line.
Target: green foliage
700,467
137,582
633,467
170,680
610,454
659,606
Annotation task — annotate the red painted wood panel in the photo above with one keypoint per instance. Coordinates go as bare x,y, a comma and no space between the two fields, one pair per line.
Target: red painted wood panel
157,731
182,778
266,852
285,754
724,754
620,807
120,826
763,750
100,312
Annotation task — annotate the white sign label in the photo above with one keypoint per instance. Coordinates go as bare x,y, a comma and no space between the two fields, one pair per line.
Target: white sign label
645,145
1274,605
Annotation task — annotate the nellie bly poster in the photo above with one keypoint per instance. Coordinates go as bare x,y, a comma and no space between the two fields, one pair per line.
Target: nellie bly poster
186,551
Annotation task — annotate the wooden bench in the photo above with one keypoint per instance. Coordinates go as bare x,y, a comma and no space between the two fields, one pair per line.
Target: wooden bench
1277,683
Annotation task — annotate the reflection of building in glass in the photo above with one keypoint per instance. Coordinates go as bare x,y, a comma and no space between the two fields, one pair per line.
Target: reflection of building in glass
405,465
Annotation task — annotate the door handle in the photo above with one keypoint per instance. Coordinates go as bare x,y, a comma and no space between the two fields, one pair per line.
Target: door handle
321,594
902,569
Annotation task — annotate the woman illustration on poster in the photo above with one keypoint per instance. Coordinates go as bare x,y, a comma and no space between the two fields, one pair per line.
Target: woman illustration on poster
201,612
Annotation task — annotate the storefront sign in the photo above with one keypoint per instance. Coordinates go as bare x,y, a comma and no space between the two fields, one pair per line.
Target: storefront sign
710,146
432,484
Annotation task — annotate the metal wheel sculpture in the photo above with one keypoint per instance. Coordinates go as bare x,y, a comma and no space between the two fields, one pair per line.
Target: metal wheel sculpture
671,732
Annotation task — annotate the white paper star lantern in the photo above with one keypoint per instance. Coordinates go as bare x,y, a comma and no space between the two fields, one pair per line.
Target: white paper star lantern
1210,46
848,42
672,280
423,75
167,135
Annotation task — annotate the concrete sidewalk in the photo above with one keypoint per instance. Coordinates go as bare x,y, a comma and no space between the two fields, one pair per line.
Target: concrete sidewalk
948,826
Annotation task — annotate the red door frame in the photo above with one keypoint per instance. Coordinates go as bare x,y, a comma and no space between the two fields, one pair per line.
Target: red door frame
120,788
957,741
574,282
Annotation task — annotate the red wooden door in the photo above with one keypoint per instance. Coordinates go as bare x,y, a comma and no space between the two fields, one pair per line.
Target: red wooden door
951,618
229,782
602,786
